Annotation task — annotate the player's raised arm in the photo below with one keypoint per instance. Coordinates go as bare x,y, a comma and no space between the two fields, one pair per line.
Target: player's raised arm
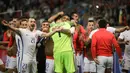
5,23
119,30
52,18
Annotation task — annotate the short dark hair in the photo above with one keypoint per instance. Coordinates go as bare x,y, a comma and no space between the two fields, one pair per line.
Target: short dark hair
74,13
71,15
23,17
23,20
102,23
90,20
45,21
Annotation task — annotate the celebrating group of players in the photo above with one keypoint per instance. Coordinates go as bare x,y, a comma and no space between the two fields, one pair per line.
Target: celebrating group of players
66,46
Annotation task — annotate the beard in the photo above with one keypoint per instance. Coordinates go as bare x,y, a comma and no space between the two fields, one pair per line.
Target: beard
32,27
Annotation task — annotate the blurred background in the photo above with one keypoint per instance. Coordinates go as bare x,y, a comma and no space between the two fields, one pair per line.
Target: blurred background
117,12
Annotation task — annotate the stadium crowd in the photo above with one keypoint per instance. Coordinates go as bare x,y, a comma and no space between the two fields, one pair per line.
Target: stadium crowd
72,37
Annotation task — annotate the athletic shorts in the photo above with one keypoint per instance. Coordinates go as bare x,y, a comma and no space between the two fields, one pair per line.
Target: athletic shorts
89,66
11,62
104,62
126,64
28,66
79,62
49,65
64,60
19,63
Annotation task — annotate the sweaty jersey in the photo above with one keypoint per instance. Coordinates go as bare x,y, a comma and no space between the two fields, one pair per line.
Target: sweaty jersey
29,40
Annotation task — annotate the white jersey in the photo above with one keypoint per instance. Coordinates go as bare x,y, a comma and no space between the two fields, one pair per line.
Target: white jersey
126,36
91,34
29,42
110,29
19,44
19,54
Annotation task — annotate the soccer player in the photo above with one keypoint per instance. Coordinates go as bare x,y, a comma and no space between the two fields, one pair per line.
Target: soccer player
29,39
4,46
109,28
2,66
49,45
124,38
11,57
89,64
102,46
23,24
34,62
75,17
12,63
79,46
63,51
